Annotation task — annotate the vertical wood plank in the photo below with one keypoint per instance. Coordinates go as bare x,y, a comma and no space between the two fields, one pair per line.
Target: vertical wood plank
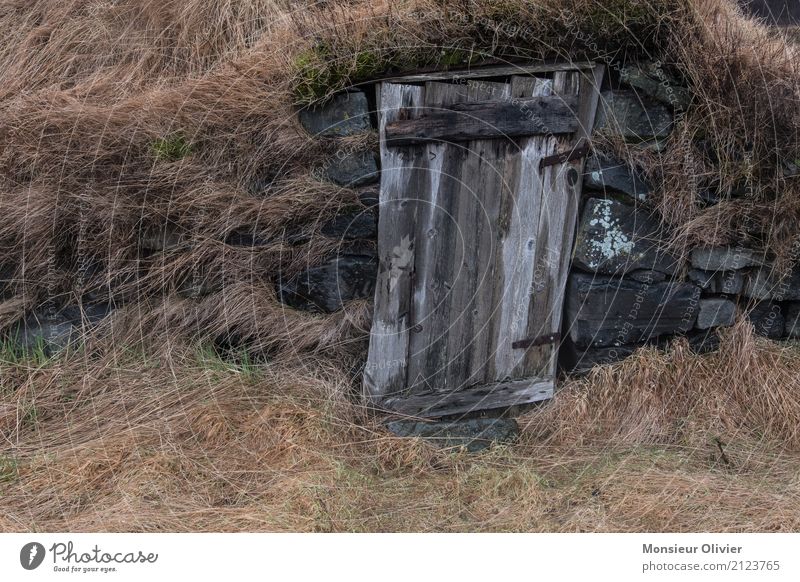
474,244
565,183
435,231
484,180
439,295
555,228
402,171
520,246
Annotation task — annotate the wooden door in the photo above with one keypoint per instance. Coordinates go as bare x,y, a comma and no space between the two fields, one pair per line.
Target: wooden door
480,185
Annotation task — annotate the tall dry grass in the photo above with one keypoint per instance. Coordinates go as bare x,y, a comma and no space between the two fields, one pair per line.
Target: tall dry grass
140,433
190,442
94,93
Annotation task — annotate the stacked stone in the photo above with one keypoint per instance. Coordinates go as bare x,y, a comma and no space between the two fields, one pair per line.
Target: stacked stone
775,295
352,273
349,275
626,289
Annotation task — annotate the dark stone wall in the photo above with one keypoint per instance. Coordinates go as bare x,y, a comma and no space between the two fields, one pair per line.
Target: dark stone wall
626,288
780,12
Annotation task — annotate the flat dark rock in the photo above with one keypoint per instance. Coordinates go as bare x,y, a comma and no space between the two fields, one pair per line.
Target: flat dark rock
578,360
602,312
345,114
768,320
767,283
793,320
245,237
352,169
352,225
703,342
55,332
603,172
370,197
647,276
654,81
52,335
729,258
475,434
328,287
726,282
715,312
774,12
614,238
632,117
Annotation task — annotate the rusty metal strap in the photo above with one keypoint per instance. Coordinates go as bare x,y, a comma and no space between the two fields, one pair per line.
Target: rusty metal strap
579,151
543,340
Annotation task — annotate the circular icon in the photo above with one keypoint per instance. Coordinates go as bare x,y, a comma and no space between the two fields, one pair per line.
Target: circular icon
31,555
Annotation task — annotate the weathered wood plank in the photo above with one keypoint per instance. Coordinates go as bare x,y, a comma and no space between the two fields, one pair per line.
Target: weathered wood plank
484,397
551,228
482,190
403,169
591,83
565,185
491,72
488,237
436,232
486,120
555,234
517,250
439,294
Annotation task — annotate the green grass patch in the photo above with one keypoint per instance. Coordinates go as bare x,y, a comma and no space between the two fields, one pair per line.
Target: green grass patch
9,469
13,354
171,148
237,361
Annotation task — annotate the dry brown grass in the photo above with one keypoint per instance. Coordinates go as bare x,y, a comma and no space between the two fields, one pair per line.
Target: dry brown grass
183,442
90,92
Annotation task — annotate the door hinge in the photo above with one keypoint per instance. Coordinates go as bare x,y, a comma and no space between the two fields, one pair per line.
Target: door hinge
581,150
542,340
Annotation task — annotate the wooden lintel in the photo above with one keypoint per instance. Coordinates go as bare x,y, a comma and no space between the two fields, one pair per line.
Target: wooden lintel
545,115
493,71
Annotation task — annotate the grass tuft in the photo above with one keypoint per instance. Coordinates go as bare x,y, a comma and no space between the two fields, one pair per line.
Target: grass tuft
171,148
8,469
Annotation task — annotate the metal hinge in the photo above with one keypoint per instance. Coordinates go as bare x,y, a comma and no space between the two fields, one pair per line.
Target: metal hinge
542,340
581,150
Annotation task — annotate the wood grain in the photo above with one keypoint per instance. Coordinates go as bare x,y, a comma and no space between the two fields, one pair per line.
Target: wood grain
486,120
484,397
485,238
491,72
403,170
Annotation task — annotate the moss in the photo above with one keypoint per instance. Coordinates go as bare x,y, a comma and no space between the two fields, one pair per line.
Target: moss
502,30
318,73
171,148
313,74
8,469
454,57
613,16
367,64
